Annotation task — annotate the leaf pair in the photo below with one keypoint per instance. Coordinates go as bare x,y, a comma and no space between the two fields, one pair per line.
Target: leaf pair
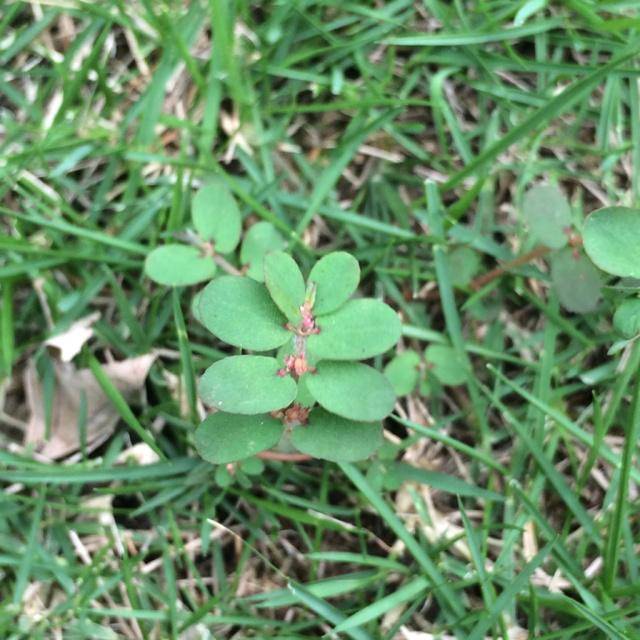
575,281
216,218
332,281
250,315
403,371
223,438
251,385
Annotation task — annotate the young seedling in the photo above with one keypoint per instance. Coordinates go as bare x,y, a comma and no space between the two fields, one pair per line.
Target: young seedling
309,393
407,371
576,282
217,226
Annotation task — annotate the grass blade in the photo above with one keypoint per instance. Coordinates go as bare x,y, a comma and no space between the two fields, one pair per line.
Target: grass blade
438,583
407,592
560,104
324,610
122,406
615,529
508,594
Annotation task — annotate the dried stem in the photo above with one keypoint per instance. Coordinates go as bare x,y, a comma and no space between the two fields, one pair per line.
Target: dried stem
486,278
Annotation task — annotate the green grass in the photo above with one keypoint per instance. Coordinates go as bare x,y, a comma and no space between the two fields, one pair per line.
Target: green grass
394,130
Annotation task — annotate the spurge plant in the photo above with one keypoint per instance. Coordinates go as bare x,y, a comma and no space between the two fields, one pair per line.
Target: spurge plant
310,393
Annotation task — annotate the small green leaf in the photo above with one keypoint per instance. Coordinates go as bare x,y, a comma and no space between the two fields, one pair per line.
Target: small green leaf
576,281
403,372
259,240
463,263
216,216
352,390
252,466
178,265
336,277
445,364
548,214
240,312
331,437
360,329
242,479
626,319
285,283
227,437
246,384
222,477
611,239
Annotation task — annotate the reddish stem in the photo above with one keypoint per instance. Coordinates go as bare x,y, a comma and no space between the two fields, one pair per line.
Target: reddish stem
284,457
486,278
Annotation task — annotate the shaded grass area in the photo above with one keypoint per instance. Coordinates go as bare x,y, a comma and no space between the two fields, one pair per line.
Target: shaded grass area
399,131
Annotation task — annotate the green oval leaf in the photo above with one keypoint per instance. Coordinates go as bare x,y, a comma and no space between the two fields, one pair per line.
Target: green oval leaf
246,384
626,319
222,477
216,216
178,265
252,466
331,437
352,390
336,277
360,329
445,364
227,437
576,281
259,240
463,263
611,239
548,214
285,283
240,312
403,372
